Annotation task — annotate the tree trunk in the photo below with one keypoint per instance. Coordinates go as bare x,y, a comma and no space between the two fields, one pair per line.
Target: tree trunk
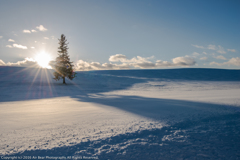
64,80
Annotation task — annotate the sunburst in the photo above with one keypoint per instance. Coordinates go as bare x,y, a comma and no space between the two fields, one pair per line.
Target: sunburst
43,59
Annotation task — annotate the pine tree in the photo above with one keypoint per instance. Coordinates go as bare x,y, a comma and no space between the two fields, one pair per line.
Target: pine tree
63,67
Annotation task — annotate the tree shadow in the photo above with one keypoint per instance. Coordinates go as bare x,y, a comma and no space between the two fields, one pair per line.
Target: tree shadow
19,83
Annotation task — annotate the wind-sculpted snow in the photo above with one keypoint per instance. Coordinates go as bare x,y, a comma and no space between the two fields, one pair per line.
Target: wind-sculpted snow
202,139
132,114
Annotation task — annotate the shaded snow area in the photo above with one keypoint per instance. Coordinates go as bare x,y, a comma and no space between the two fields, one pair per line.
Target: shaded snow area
128,114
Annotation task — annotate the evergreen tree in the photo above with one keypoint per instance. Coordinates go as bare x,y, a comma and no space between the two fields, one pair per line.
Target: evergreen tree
63,67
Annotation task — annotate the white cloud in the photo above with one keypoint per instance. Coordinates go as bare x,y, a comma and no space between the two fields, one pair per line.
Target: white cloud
231,50
26,31
85,66
19,46
221,57
161,63
215,63
195,54
11,40
204,53
212,47
135,62
218,48
203,58
140,59
123,59
46,38
1,37
33,30
183,61
9,46
232,61
27,62
221,50
118,57
2,63
41,28
52,37
32,47
197,46
144,65
82,66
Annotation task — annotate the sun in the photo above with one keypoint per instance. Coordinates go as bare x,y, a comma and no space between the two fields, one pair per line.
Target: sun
43,60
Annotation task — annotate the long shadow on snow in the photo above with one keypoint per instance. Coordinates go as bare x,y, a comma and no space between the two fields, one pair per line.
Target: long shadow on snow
195,129
17,83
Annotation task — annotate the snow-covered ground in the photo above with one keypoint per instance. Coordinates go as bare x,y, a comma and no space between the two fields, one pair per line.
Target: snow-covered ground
132,114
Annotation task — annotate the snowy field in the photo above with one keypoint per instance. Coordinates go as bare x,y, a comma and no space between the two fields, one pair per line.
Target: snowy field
131,114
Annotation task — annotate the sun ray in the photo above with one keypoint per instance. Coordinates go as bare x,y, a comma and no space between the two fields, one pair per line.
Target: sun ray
29,88
49,83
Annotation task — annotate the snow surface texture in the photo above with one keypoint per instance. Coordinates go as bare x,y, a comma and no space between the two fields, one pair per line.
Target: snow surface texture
132,114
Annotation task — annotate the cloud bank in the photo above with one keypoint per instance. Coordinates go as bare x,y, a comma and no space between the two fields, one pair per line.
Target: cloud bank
120,61
27,62
232,61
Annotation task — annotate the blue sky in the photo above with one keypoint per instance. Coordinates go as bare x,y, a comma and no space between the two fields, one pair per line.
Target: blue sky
108,34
